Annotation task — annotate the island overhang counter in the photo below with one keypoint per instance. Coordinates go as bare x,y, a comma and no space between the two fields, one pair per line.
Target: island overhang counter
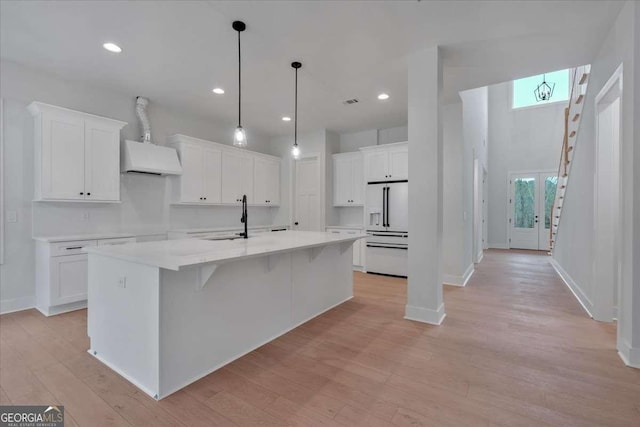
164,314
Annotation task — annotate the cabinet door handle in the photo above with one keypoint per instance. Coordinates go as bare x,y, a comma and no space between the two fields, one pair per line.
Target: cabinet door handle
88,194
82,193
71,248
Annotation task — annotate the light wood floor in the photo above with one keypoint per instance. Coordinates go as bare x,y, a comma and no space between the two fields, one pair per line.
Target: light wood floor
515,349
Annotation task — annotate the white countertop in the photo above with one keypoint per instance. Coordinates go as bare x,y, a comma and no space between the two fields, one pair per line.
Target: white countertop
88,236
173,254
215,229
350,227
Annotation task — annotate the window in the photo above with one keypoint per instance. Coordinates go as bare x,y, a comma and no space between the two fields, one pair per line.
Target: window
523,89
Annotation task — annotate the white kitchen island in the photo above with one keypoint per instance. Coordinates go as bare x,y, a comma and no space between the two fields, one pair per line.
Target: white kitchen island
164,314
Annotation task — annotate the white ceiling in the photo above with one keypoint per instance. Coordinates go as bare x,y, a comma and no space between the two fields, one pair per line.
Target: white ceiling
175,52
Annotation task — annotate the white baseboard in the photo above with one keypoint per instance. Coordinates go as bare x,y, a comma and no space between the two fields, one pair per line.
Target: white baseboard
629,355
479,257
573,287
64,308
425,315
17,304
498,246
453,280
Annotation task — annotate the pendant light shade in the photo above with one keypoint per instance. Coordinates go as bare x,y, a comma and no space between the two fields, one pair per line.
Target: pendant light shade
295,150
544,92
239,136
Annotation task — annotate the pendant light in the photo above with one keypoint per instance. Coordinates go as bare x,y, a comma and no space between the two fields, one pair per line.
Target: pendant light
295,150
544,92
239,136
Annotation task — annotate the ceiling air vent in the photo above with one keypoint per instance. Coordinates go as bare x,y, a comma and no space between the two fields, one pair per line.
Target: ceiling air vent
350,101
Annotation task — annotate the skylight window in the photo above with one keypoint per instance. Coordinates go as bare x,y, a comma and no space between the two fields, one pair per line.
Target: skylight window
523,89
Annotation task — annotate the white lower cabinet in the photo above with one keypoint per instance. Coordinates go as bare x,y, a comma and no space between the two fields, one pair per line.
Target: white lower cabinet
61,273
68,279
358,246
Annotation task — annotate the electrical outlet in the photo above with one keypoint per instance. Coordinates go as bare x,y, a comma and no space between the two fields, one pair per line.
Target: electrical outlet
12,216
85,216
122,282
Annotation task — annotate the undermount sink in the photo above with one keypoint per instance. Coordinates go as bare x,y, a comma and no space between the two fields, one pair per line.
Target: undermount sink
224,238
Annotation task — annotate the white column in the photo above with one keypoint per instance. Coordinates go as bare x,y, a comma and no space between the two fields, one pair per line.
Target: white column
629,298
424,292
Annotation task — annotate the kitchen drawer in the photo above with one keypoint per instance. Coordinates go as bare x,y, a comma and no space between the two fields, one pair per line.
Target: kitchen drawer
120,241
71,248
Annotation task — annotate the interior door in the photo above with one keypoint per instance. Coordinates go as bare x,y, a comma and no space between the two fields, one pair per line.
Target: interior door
524,211
307,194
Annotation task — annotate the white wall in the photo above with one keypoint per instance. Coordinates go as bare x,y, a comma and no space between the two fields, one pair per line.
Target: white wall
475,134
145,200
455,260
574,246
526,139
352,141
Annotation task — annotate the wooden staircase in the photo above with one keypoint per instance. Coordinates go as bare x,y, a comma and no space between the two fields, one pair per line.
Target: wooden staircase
572,119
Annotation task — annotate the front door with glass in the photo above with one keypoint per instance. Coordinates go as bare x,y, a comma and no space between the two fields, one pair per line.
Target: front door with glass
530,200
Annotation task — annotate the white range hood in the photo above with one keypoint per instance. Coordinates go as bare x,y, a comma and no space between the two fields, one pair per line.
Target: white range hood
150,158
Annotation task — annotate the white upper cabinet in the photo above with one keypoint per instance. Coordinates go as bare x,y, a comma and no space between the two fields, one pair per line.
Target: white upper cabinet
201,180
237,177
101,161
212,175
217,174
388,162
348,179
77,155
399,163
376,166
266,178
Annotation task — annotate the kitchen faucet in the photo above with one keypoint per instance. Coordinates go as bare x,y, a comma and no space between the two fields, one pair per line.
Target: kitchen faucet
243,219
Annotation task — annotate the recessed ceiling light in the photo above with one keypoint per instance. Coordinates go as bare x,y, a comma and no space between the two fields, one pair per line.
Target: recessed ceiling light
112,47
383,96
286,119
218,91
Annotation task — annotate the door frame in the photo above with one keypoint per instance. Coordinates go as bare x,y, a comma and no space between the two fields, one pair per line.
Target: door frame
321,189
508,205
605,306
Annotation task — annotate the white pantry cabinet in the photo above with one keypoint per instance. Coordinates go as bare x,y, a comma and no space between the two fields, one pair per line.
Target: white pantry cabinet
77,155
237,177
358,246
61,273
387,162
201,179
266,178
348,183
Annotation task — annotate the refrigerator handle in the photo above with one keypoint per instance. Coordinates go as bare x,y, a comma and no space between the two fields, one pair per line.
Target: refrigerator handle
384,206
388,191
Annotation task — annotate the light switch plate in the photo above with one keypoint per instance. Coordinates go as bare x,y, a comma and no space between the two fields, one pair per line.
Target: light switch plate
12,216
